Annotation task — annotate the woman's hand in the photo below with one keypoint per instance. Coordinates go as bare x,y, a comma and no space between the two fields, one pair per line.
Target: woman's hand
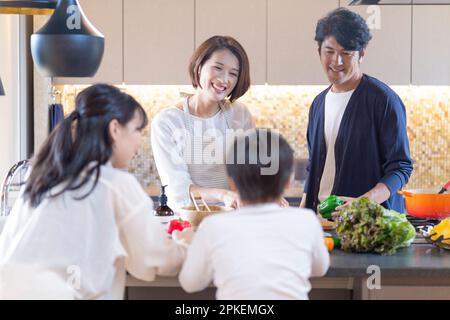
184,237
283,203
230,199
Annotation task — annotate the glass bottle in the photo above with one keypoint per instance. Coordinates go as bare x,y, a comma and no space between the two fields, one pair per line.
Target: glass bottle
163,210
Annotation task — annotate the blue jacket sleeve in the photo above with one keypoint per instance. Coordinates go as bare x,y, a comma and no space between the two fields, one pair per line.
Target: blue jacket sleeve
394,145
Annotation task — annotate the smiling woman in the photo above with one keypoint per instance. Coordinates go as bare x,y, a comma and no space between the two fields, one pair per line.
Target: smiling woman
189,140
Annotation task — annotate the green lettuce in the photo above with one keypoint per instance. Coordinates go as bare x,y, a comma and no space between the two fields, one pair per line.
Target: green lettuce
365,226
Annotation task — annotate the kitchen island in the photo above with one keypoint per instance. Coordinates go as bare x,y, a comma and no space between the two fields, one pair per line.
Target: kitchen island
420,271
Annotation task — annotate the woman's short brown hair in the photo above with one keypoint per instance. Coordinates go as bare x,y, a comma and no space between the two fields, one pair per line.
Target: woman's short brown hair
213,44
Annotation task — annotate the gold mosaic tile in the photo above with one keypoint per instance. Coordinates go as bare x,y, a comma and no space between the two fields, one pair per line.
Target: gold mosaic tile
285,108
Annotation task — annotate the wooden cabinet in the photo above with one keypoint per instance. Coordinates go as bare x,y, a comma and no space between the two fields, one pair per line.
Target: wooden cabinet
106,16
389,52
158,41
243,20
293,58
431,45
151,41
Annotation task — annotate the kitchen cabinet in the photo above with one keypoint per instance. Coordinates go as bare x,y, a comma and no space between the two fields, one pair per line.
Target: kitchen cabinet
389,52
293,58
158,41
150,41
106,16
243,20
431,45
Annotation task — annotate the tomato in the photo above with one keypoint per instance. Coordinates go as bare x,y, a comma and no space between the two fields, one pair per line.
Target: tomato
329,243
177,224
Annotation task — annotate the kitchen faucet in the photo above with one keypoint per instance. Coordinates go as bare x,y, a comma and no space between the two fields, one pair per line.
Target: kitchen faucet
7,183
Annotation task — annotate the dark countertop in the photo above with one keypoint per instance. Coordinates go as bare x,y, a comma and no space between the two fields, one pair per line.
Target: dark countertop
418,260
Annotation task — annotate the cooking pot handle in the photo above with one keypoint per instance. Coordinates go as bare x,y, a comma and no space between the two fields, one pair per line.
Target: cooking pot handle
405,193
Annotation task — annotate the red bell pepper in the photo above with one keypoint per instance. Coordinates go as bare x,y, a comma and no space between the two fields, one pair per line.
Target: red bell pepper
177,224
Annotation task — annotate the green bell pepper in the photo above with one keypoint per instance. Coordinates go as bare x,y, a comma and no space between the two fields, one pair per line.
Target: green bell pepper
329,205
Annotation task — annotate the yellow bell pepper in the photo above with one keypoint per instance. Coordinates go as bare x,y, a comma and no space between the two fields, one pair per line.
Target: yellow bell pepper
441,229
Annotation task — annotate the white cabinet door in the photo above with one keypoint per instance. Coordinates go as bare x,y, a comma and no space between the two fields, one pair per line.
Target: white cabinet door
431,45
389,52
293,58
106,16
244,20
158,41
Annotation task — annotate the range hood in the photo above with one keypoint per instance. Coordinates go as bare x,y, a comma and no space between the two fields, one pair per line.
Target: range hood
30,7
399,2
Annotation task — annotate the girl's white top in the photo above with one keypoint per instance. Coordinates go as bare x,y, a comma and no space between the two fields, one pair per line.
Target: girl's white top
191,150
81,249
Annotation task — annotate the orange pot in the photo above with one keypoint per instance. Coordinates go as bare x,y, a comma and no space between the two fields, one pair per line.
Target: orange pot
427,203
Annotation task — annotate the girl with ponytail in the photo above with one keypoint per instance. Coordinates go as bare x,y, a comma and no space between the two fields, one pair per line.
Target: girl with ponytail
81,221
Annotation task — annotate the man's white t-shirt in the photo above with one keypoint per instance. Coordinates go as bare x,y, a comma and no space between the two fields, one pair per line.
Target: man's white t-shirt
335,105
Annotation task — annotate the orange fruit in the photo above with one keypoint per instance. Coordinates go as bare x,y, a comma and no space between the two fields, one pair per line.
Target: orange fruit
329,243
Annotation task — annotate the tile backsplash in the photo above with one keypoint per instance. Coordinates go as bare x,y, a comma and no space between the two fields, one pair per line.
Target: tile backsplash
285,108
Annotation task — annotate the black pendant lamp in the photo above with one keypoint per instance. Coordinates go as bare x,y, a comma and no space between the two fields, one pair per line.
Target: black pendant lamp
29,7
68,45
2,91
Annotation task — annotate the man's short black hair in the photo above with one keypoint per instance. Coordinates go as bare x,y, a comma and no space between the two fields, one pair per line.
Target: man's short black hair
260,163
348,28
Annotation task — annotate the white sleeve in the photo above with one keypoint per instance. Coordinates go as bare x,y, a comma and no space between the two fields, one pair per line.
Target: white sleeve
248,123
321,257
242,118
171,166
149,250
197,273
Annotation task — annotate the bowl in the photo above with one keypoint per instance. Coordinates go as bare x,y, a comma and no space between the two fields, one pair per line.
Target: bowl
195,217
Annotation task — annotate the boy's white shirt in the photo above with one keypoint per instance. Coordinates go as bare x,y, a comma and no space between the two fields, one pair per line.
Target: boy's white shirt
257,252
85,245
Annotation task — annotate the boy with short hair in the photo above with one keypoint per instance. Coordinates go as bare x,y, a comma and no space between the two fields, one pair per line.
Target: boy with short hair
260,251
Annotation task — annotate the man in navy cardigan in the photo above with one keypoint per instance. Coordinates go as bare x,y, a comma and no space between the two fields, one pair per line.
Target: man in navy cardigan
357,139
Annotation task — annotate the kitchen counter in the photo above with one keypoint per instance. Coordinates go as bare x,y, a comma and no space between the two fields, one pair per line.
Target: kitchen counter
410,273
418,260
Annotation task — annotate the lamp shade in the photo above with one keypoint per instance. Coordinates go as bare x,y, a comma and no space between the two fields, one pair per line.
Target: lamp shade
68,45
2,91
399,2
29,7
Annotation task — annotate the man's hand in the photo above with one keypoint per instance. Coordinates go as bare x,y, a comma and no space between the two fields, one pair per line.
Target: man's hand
348,202
303,202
